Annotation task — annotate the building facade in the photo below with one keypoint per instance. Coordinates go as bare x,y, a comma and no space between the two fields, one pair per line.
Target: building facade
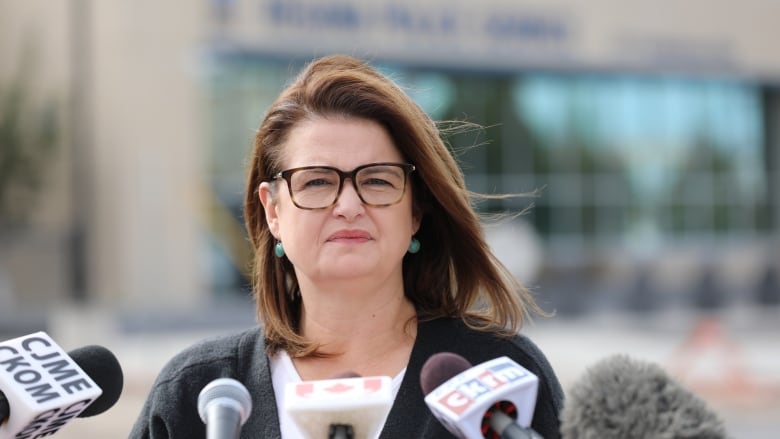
649,135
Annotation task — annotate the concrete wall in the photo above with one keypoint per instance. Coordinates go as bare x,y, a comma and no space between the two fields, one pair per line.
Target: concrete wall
128,171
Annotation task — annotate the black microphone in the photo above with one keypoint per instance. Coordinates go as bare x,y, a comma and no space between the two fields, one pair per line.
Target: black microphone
5,409
620,397
224,406
103,367
484,401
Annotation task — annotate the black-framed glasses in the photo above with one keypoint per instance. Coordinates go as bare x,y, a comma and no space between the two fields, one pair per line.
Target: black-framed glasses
318,187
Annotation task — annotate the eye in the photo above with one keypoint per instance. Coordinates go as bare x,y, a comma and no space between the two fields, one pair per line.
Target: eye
314,179
317,182
381,177
376,181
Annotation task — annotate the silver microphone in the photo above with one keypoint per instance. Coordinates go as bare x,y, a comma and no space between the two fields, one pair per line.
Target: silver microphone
224,406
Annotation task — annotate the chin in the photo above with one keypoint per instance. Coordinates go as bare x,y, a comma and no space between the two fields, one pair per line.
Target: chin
350,270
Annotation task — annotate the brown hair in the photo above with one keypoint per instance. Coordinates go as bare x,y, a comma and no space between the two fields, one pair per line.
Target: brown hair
454,275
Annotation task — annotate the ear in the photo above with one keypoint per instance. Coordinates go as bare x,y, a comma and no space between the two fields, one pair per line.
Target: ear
416,220
270,206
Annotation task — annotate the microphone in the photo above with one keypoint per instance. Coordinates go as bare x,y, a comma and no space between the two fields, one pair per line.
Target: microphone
42,388
224,406
347,406
621,397
495,399
342,431
103,367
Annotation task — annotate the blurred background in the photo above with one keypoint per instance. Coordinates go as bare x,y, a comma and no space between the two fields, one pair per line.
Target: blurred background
648,134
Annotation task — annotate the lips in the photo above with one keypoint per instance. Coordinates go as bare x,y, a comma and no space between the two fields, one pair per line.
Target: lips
350,235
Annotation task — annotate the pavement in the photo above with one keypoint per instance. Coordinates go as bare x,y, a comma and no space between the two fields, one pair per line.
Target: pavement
730,359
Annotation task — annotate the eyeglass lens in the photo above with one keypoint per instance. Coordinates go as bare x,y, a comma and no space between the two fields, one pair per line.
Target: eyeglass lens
377,185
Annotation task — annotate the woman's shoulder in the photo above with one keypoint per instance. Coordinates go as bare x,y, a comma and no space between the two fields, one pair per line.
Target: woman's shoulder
171,405
213,357
477,346
461,333
456,332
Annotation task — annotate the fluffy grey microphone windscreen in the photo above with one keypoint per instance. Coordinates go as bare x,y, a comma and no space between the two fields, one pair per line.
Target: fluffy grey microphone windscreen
620,397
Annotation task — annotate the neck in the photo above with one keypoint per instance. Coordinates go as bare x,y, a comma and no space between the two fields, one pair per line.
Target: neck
366,333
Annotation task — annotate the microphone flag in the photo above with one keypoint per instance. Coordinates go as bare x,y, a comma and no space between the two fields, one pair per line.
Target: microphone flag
461,402
361,402
44,387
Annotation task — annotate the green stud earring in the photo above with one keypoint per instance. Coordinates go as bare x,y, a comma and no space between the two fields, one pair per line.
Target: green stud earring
279,250
414,246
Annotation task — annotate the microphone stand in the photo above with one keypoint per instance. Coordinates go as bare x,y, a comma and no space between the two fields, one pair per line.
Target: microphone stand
341,431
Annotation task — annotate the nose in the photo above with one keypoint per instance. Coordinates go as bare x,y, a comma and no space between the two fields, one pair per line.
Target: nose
348,204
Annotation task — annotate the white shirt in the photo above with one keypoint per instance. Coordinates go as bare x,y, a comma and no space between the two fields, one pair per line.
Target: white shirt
283,372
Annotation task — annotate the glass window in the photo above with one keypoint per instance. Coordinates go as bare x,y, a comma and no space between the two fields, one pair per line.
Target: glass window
619,159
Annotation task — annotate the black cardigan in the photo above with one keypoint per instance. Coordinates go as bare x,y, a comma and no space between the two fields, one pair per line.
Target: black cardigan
171,410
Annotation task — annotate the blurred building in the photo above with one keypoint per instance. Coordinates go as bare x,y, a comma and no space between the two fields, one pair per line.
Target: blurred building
649,131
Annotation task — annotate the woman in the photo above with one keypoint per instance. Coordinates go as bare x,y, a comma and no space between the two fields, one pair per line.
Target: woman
369,258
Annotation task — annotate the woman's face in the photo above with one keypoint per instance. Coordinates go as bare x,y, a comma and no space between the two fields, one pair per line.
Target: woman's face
348,240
